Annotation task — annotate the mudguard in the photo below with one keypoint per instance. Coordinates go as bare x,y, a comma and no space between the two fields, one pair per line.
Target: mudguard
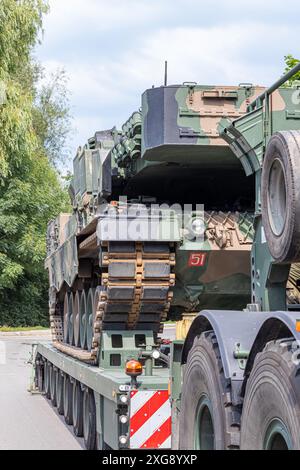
241,331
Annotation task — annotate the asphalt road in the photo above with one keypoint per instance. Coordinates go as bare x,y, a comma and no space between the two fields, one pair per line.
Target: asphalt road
28,422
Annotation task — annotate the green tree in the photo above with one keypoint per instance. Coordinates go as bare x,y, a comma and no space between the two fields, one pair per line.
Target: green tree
20,25
290,63
52,121
34,123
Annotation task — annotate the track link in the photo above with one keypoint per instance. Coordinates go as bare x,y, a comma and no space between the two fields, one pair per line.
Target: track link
134,293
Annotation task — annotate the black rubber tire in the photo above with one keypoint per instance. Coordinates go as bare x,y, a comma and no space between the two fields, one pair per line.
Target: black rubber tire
280,196
100,445
53,373
60,392
47,373
272,393
204,382
89,419
68,400
77,409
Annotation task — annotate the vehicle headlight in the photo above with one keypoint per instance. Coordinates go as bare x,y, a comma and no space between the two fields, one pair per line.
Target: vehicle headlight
123,419
123,399
123,440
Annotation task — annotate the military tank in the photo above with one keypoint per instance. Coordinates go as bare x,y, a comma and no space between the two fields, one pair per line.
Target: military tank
168,155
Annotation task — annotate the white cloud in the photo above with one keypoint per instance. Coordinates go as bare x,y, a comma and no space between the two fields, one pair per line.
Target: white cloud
212,55
206,55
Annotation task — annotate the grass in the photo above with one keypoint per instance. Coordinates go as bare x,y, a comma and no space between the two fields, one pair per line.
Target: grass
8,329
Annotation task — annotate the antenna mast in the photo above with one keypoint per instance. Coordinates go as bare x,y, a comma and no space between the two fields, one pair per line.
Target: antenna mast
166,73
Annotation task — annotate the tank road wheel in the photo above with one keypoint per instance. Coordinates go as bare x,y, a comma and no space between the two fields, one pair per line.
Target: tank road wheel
76,319
47,373
68,400
206,418
60,392
53,374
82,320
66,317
271,410
281,196
71,320
89,419
90,318
77,409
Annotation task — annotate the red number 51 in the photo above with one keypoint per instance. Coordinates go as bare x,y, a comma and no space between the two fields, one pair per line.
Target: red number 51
197,260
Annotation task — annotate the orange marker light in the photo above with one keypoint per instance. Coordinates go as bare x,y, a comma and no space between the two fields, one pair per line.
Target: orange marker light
133,368
298,326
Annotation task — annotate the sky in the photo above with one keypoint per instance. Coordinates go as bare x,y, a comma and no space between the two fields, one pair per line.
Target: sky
112,50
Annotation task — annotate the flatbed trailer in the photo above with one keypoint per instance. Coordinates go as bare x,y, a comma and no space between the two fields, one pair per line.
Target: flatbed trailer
110,393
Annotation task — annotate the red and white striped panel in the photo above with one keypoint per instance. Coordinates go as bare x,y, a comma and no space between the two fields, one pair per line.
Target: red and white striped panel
150,419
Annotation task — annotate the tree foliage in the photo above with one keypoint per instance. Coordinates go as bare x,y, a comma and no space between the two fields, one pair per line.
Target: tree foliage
290,63
34,124
52,120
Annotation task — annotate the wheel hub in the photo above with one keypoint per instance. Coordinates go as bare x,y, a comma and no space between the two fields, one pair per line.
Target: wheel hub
204,427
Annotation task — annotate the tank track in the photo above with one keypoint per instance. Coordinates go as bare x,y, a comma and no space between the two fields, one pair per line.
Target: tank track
134,293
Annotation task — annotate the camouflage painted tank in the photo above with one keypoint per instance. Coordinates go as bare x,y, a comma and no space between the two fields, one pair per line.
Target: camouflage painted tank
170,166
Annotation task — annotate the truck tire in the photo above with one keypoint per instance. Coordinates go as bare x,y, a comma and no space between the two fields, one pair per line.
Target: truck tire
77,409
68,400
208,420
280,196
53,373
271,410
60,392
89,419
